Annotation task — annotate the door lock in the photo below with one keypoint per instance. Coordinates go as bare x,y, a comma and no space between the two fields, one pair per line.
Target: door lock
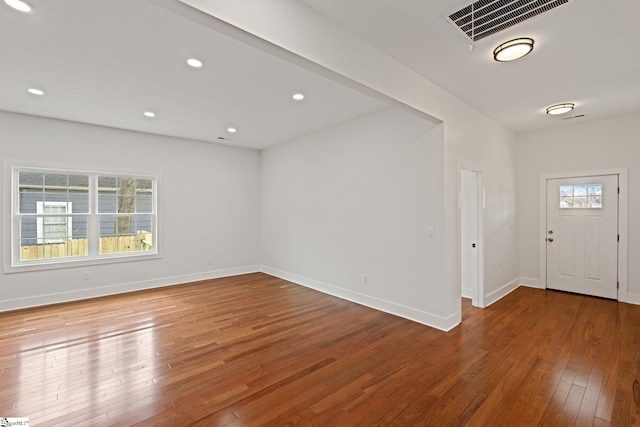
550,231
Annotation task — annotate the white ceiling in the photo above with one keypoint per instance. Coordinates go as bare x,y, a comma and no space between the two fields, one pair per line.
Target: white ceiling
106,62
585,52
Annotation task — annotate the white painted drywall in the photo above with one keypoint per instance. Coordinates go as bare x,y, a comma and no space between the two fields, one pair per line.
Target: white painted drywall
209,198
357,199
598,145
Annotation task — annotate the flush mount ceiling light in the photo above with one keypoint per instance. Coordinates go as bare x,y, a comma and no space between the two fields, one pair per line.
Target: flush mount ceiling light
298,96
232,130
19,5
34,91
557,109
149,114
195,63
513,49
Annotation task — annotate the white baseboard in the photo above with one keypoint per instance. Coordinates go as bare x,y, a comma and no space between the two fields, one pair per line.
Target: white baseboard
502,292
633,299
530,282
429,319
622,296
467,293
81,294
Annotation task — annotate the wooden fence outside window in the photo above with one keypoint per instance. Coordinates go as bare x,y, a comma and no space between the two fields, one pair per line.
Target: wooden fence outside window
141,241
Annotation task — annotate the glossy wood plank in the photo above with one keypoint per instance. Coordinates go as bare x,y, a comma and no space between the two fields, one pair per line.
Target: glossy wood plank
255,350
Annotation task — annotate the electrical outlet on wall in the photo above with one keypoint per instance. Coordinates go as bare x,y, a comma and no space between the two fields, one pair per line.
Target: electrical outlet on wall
363,279
85,275
210,260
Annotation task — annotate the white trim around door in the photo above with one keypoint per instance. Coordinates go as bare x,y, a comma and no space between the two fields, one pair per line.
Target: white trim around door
471,232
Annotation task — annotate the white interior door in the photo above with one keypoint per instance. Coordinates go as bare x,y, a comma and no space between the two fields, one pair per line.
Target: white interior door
582,235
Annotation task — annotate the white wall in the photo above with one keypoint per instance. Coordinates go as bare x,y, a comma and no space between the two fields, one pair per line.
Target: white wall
209,197
599,145
471,140
477,143
354,200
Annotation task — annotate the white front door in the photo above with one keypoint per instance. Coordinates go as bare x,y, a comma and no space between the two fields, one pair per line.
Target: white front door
582,235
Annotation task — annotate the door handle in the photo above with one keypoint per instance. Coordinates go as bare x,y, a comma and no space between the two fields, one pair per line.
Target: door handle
550,239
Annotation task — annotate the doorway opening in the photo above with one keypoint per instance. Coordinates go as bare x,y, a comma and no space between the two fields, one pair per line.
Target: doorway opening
471,234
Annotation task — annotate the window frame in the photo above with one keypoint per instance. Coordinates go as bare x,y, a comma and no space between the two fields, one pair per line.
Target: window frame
11,224
585,197
41,233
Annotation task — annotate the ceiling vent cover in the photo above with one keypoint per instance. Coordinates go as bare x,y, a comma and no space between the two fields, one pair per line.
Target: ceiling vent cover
482,18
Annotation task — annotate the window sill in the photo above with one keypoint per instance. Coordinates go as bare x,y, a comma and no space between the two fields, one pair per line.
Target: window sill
76,263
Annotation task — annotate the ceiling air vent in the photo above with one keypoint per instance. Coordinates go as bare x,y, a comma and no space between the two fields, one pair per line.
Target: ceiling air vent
482,18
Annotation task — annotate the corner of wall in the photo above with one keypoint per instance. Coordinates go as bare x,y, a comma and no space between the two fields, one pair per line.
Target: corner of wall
530,282
502,292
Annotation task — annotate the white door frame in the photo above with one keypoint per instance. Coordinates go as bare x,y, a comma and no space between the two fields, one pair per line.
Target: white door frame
623,218
477,299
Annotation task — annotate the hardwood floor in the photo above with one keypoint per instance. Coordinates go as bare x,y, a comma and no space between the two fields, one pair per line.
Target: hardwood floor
256,350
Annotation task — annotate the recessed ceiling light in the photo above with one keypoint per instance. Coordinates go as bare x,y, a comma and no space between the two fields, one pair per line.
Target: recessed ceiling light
232,130
34,91
150,114
513,49
195,63
557,109
19,5
298,96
